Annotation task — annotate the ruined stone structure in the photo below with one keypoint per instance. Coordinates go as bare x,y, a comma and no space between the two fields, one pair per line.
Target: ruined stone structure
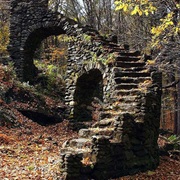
115,84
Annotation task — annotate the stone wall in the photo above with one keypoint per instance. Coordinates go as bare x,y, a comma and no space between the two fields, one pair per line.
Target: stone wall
31,22
116,83
124,141
81,61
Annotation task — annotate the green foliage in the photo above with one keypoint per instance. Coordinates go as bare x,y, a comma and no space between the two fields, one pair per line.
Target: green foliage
50,70
4,38
51,73
103,58
52,57
175,140
66,38
4,28
8,72
86,38
150,173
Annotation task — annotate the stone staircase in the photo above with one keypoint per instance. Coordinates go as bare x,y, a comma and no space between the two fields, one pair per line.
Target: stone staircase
130,73
124,141
80,158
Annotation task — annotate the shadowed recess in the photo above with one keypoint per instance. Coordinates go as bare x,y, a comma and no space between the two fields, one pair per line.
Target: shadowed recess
40,118
88,88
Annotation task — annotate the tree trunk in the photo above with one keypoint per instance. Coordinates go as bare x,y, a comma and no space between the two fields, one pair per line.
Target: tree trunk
177,120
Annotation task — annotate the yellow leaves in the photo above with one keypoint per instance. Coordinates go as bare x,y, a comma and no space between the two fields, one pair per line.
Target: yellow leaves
121,6
151,62
146,12
138,7
178,5
166,29
177,30
137,10
169,23
156,30
151,8
75,19
169,26
125,8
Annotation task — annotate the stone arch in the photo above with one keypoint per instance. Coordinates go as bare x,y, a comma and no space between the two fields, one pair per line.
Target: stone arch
31,22
90,66
88,96
128,112
32,42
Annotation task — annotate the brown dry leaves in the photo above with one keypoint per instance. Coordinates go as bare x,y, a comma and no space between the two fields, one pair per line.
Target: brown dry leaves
32,151
167,170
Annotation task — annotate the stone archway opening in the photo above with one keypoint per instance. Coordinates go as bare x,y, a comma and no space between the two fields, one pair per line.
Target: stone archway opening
51,61
88,96
46,67
33,42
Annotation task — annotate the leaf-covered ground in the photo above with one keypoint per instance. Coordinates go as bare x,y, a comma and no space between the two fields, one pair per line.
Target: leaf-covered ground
169,169
31,152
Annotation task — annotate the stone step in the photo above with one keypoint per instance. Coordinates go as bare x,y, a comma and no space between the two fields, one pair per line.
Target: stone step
132,69
78,143
130,64
76,150
130,53
128,98
128,58
125,106
86,133
106,115
132,74
116,49
127,92
117,113
108,122
119,80
126,86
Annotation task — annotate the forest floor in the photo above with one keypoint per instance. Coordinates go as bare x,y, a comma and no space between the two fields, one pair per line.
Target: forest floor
31,152
169,169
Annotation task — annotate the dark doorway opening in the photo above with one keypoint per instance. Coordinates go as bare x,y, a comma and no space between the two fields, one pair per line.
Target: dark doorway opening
88,96
40,118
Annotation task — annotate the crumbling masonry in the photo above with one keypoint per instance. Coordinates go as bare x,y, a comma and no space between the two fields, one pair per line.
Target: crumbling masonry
123,137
